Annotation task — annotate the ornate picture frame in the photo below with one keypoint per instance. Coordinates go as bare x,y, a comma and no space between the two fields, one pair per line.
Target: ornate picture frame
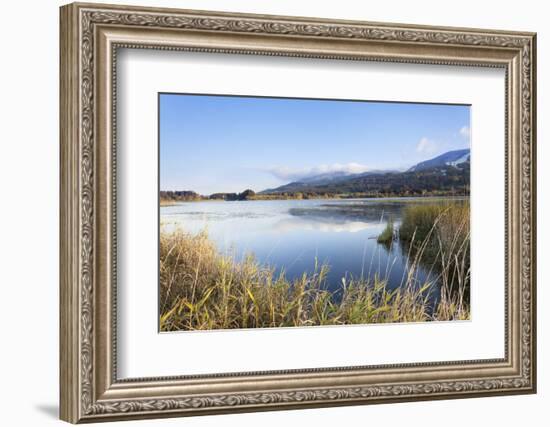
90,37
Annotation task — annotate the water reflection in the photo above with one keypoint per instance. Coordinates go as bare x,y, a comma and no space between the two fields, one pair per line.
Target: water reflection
323,225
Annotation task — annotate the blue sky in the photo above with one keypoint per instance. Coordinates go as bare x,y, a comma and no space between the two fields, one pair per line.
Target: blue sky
214,144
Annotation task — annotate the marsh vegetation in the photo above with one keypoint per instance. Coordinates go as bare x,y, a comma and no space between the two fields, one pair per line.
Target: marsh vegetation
203,287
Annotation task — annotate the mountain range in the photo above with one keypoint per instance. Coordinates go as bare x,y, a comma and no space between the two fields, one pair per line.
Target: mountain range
448,173
450,158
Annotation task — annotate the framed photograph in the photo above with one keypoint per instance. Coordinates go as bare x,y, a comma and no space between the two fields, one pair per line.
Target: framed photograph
265,212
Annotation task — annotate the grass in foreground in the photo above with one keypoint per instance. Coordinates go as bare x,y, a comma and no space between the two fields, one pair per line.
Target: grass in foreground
201,289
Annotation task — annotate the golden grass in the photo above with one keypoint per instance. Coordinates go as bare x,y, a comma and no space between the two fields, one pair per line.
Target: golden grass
442,230
202,289
449,218
386,236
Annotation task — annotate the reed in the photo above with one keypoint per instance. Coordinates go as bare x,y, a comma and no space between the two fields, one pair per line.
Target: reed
386,236
442,230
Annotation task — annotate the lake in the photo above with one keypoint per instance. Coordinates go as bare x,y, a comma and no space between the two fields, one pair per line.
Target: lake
292,235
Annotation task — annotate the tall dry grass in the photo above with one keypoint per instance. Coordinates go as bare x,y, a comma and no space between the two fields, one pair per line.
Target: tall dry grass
387,234
440,235
203,289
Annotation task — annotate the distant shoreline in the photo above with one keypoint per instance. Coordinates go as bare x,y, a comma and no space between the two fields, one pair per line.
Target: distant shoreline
164,202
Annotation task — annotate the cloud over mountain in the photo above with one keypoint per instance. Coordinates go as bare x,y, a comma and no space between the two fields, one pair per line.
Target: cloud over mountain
295,174
426,146
465,132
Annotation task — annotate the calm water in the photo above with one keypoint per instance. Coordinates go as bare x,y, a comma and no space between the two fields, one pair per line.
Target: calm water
292,234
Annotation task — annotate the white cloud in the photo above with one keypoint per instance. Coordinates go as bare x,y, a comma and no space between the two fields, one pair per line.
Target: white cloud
285,173
464,131
426,146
